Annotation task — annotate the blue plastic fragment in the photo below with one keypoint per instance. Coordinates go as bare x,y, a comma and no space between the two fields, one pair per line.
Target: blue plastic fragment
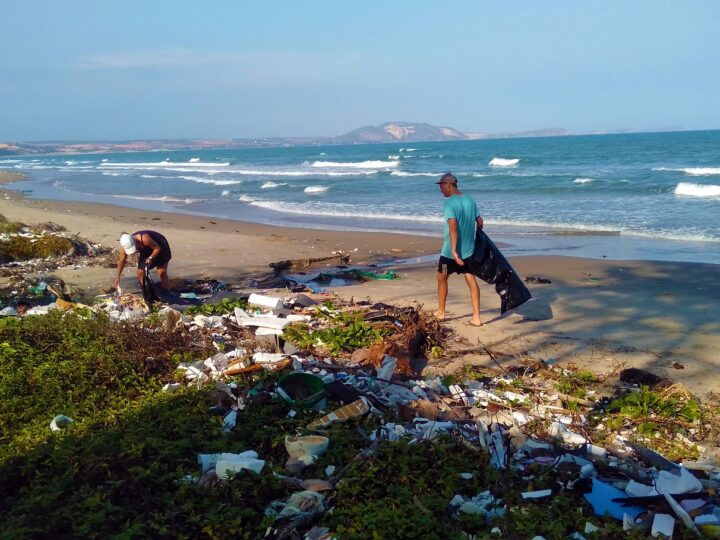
601,496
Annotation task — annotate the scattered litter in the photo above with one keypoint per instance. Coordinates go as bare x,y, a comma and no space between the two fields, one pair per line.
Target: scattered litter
60,422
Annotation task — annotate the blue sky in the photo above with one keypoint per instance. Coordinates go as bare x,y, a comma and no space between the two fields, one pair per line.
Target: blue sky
96,70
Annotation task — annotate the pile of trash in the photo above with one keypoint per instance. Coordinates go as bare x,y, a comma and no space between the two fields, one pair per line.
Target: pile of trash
555,429
516,415
45,247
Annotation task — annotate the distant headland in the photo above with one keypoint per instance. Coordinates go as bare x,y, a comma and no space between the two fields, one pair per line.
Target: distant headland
389,132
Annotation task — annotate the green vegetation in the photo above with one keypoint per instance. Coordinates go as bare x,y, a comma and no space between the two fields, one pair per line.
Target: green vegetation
646,403
345,333
9,227
227,305
120,469
574,381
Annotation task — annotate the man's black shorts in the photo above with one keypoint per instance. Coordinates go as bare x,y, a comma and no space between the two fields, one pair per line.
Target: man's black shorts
449,266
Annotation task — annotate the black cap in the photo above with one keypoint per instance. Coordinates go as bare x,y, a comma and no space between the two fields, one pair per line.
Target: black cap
447,178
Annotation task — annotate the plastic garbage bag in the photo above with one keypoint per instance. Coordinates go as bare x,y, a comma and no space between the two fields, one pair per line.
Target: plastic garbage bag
489,264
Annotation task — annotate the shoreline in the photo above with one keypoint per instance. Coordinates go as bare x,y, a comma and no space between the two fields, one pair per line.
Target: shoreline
598,314
516,239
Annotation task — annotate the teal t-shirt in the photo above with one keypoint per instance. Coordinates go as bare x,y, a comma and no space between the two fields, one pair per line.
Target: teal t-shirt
464,209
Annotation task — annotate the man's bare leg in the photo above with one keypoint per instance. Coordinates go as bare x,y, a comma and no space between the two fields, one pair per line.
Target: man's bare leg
442,282
140,277
475,297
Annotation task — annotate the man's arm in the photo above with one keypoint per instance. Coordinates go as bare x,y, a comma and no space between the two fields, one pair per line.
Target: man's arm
453,229
120,265
479,221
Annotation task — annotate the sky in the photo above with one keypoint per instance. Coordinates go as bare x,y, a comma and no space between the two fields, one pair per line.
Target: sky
102,70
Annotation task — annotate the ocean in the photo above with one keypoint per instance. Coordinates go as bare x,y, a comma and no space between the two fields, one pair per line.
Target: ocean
651,196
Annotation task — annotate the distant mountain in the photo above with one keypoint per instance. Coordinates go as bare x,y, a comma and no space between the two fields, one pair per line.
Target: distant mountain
389,132
399,132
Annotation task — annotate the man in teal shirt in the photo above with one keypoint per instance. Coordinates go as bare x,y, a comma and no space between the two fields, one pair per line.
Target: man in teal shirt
461,217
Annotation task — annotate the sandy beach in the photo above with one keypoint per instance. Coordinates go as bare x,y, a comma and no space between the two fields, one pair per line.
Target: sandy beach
600,314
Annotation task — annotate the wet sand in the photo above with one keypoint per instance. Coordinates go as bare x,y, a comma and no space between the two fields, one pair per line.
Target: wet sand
596,313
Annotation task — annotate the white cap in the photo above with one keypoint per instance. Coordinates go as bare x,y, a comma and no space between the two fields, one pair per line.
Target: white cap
127,242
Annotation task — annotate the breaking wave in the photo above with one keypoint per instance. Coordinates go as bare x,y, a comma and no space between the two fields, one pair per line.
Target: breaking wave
403,173
693,171
315,189
582,180
270,185
356,164
330,210
697,190
502,162
157,165
164,198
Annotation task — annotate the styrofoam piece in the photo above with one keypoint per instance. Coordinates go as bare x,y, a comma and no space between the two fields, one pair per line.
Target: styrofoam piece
208,461
240,314
171,387
267,322
559,431
224,468
536,494
669,482
663,524
263,331
294,317
387,368
267,358
270,302
707,519
8,311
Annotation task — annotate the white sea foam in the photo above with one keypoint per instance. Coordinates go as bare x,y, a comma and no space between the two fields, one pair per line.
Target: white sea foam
194,160
370,164
478,175
270,185
408,149
164,198
334,210
247,199
404,173
271,172
692,171
502,162
157,165
610,229
697,190
212,181
393,157
582,180
152,176
113,174
225,193
315,189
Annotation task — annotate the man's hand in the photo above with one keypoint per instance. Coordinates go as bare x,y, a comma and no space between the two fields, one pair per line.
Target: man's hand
458,259
148,261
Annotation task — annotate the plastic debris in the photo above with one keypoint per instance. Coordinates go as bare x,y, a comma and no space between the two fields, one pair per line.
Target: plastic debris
353,410
60,422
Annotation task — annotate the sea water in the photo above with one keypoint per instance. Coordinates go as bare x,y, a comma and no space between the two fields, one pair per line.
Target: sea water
649,196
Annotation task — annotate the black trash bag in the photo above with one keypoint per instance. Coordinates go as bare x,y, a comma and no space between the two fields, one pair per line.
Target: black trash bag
155,293
148,288
492,267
